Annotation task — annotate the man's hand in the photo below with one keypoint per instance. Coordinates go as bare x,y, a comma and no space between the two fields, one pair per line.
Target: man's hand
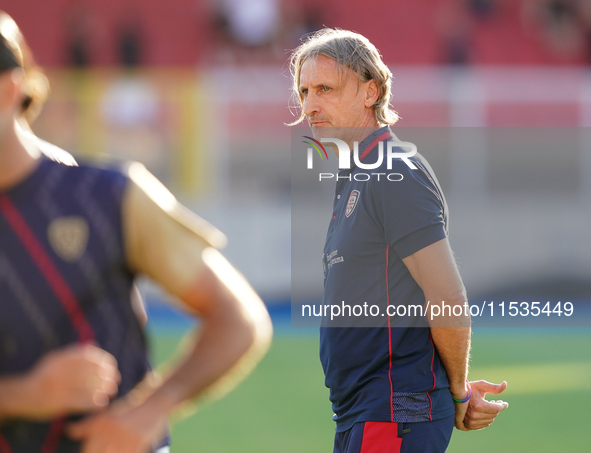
478,412
74,379
121,428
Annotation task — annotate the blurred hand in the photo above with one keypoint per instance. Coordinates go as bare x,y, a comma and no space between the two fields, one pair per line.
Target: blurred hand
74,379
120,429
481,413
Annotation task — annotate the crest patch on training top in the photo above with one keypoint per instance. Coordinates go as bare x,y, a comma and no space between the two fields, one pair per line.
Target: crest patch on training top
353,198
68,237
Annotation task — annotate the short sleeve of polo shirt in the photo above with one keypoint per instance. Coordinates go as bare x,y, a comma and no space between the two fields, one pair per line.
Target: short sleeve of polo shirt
411,211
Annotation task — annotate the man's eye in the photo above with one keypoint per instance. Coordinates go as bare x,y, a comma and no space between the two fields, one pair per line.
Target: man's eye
304,92
325,89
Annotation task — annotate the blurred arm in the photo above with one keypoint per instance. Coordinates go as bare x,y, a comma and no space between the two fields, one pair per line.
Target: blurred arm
174,247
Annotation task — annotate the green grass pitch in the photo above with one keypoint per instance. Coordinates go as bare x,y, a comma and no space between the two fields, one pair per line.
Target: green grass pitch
283,407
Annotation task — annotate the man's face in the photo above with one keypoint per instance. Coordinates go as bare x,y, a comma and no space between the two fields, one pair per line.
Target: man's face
333,98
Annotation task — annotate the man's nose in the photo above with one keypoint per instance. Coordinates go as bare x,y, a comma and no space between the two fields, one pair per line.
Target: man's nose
311,104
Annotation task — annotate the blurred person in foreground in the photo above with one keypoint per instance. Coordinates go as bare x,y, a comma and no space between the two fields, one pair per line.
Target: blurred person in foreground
73,355
397,383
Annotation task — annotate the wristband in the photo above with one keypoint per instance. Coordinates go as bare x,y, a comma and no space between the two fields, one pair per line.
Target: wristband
468,397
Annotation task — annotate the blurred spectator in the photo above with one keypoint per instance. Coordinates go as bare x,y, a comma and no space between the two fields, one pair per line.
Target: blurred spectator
132,113
252,23
130,102
456,28
301,20
560,12
482,9
585,17
78,39
250,30
85,32
78,49
130,42
558,23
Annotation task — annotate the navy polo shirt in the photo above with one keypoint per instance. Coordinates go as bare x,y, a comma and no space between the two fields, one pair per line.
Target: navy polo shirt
390,371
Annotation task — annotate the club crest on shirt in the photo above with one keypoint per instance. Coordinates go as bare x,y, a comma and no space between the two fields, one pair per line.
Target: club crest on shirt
353,198
68,237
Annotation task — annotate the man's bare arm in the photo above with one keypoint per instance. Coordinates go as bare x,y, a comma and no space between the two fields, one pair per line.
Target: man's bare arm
434,269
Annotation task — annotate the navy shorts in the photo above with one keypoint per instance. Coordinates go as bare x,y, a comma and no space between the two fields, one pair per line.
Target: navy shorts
385,437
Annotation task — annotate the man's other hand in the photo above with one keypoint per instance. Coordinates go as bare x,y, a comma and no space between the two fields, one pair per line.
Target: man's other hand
480,412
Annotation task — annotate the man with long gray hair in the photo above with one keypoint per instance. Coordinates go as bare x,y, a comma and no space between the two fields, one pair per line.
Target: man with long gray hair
400,384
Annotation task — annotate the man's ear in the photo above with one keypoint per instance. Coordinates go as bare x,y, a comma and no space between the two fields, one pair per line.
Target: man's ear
371,93
11,88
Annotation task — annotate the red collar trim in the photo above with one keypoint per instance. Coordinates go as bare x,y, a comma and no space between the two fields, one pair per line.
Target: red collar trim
384,136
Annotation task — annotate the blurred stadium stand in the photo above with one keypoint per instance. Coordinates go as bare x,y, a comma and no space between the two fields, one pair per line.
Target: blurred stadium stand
205,107
186,32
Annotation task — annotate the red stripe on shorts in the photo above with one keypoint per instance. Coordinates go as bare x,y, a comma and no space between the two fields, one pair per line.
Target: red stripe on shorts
380,437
